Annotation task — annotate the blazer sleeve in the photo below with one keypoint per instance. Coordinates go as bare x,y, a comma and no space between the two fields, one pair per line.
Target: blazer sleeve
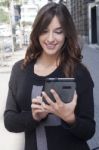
84,126
16,120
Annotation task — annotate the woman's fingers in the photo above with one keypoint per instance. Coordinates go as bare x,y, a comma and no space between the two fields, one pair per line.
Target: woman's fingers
52,107
74,98
56,96
49,101
37,103
36,106
37,100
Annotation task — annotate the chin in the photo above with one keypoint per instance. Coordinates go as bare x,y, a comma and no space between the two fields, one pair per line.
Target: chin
52,54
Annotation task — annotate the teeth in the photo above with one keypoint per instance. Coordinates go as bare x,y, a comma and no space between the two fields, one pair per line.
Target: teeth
50,46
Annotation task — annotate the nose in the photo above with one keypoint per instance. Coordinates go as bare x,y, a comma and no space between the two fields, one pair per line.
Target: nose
50,37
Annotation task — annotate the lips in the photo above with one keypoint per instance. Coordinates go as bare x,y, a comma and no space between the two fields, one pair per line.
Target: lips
50,46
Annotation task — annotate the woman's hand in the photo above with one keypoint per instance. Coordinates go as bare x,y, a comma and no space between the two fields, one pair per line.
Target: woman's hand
38,111
63,110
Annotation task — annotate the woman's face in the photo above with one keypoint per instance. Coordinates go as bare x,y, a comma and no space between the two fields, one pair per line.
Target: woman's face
52,38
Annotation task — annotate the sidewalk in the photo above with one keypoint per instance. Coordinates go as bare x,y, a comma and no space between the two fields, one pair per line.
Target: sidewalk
94,46
91,60
7,60
8,140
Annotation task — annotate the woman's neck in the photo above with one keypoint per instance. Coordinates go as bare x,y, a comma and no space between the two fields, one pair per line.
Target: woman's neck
45,65
47,61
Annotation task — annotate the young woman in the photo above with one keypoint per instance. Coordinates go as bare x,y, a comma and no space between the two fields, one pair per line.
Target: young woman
53,52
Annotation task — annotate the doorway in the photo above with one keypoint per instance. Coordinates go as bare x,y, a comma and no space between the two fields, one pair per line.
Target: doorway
94,25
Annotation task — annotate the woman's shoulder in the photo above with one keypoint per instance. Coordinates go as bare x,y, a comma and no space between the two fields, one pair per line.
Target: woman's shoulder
17,65
83,77
15,72
18,68
82,71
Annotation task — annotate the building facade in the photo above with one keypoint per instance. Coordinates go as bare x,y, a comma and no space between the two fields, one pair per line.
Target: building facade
93,20
79,12
28,12
85,14
68,4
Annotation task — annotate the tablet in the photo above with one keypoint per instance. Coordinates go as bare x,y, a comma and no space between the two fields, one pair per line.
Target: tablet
65,87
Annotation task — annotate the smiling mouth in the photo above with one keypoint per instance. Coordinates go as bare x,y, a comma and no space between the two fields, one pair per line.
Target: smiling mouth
50,46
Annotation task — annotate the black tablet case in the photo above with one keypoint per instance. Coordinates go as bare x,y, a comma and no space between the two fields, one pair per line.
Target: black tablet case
65,88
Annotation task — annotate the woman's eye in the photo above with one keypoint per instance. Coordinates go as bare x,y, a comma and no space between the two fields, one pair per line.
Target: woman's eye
59,32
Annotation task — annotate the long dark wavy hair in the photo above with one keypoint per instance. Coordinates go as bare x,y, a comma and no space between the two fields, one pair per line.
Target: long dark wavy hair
70,53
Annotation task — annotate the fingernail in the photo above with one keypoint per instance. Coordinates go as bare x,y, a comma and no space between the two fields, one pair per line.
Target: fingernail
32,100
38,97
52,90
31,106
43,93
43,104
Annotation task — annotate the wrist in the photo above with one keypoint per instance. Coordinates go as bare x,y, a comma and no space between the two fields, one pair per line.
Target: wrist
70,119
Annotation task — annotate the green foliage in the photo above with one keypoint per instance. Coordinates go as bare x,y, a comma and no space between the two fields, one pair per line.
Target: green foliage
6,3
4,17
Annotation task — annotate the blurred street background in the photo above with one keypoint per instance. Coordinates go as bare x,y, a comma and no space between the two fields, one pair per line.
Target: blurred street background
16,18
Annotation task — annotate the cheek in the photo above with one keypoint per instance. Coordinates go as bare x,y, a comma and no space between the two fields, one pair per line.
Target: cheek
42,37
60,38
61,41
42,40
